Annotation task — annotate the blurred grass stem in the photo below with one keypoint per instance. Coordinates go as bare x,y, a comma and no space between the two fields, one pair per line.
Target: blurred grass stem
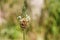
23,34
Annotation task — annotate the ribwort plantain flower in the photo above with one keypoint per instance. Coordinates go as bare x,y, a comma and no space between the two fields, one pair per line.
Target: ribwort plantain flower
24,21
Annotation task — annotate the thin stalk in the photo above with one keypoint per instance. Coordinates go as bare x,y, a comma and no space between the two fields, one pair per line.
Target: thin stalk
23,34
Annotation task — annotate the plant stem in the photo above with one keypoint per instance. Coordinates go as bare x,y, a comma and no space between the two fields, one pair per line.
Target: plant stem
23,34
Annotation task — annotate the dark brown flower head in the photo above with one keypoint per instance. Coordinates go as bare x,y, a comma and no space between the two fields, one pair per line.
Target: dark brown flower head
23,22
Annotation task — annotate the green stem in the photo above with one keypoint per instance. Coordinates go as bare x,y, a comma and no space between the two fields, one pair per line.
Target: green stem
23,34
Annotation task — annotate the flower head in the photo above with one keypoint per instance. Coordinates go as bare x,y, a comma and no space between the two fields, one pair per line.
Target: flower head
24,21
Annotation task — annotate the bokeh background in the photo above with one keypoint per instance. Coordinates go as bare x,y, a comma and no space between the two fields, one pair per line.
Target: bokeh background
44,23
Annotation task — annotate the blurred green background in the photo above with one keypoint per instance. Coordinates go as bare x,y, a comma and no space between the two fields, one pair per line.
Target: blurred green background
48,28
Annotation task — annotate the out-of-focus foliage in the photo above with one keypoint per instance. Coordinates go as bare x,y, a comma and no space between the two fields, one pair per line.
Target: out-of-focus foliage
13,8
54,13
54,17
11,29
